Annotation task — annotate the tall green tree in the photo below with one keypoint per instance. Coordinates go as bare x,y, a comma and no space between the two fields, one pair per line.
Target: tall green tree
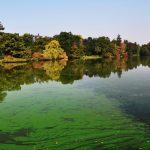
145,50
90,45
132,48
103,46
119,40
72,44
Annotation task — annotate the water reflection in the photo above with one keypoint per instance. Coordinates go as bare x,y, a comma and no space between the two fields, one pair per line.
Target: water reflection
12,76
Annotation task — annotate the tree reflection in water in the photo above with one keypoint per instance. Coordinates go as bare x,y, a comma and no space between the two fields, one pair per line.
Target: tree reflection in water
12,76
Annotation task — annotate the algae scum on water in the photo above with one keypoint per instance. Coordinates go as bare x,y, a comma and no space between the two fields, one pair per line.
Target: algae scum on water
81,105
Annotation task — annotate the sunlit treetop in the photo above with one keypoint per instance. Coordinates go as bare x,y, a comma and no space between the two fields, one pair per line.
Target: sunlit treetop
1,26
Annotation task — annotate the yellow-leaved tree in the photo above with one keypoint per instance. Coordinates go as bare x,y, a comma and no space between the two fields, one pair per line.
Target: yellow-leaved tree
53,50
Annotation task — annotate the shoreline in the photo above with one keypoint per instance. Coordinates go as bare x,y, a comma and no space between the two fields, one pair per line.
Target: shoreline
91,57
23,60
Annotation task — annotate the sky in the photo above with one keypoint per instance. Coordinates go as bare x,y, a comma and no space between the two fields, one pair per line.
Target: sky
89,18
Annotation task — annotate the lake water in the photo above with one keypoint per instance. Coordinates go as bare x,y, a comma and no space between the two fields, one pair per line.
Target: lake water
75,105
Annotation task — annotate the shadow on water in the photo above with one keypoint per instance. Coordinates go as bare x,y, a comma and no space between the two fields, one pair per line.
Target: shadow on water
9,138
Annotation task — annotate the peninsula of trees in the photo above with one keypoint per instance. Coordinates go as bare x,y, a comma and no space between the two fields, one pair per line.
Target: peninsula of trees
66,45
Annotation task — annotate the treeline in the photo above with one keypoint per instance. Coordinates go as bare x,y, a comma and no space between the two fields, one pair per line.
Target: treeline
74,45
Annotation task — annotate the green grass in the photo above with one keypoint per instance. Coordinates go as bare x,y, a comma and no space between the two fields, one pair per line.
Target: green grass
91,57
9,59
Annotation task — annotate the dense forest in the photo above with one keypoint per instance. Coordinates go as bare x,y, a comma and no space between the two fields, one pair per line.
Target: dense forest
28,46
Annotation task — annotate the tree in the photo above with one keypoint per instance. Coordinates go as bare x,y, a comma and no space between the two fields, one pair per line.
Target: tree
138,50
132,48
98,50
11,43
89,45
53,50
145,50
28,39
72,44
119,40
103,45
1,26
77,48
114,48
39,43
66,41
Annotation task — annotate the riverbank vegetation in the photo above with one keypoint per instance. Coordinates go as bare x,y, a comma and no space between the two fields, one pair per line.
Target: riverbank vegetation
29,47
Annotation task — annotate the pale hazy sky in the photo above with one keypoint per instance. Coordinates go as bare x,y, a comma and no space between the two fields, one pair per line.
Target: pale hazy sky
130,18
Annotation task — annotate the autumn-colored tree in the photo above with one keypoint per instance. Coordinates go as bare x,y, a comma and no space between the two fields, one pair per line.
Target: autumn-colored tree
53,50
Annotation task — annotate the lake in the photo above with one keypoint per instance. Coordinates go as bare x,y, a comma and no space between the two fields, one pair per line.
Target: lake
75,105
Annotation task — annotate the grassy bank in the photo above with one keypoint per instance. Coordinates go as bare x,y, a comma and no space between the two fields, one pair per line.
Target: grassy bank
13,60
10,59
91,57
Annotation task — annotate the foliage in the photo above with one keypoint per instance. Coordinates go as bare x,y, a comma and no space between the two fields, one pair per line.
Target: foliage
132,48
53,50
10,59
1,26
119,40
74,45
90,46
10,43
145,50
39,43
103,46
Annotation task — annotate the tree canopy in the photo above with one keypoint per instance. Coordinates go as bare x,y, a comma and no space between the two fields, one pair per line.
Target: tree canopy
53,50
75,46
1,26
